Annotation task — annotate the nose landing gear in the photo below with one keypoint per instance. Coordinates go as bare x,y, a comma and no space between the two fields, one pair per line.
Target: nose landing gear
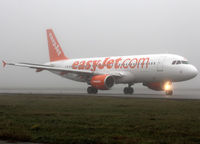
169,92
168,88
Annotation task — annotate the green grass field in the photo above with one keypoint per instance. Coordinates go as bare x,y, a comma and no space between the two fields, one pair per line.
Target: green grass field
99,120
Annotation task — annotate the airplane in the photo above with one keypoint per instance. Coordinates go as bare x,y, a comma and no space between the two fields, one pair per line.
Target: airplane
155,71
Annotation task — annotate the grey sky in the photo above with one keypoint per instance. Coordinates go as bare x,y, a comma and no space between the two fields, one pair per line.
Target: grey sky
89,28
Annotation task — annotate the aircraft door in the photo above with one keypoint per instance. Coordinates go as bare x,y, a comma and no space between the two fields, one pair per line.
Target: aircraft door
160,64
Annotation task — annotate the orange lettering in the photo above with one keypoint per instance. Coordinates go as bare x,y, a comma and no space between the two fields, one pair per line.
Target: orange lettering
143,61
81,65
133,65
101,66
75,65
124,63
110,64
117,62
88,65
95,64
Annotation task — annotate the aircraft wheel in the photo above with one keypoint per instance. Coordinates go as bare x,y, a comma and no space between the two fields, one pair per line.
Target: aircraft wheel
170,92
92,90
128,90
95,90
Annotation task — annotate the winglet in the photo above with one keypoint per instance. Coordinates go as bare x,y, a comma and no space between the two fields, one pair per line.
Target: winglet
4,63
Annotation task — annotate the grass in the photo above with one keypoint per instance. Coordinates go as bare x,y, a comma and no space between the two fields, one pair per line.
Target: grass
100,120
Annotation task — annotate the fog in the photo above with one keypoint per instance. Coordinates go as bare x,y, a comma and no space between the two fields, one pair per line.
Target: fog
90,28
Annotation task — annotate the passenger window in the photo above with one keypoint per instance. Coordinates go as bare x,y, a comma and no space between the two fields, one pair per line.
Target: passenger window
178,62
173,62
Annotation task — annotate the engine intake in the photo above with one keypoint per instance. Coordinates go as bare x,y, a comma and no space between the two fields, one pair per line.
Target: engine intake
102,82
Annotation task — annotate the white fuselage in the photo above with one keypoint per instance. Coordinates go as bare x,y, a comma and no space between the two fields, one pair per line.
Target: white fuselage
133,69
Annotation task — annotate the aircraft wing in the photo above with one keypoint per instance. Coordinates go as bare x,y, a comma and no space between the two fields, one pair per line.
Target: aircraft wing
40,67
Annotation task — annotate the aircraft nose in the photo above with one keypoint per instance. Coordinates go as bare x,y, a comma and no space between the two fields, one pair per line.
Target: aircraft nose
189,72
194,71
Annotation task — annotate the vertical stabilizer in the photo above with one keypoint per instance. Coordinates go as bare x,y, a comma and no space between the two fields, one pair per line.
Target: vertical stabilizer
55,51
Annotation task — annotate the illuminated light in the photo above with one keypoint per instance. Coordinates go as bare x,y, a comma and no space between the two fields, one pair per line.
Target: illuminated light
168,86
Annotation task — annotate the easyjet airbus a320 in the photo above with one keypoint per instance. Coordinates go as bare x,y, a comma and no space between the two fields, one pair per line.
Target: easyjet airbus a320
157,71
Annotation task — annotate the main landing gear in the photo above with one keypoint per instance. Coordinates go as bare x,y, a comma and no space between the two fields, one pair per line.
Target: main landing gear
129,89
92,90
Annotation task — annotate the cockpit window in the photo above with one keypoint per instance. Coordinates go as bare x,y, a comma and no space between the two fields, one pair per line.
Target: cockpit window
184,62
174,62
178,62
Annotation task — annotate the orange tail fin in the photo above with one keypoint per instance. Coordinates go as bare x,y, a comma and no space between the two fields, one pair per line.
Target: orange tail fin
55,51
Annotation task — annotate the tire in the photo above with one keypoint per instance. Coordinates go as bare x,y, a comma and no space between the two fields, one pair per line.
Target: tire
89,90
92,90
169,92
130,90
95,90
126,90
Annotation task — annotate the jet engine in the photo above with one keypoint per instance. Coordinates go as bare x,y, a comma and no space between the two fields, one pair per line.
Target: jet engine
102,82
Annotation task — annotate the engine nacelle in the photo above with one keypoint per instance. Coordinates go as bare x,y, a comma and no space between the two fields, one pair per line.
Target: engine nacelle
158,86
102,82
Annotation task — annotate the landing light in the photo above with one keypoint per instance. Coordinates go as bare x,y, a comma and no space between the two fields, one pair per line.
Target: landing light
168,86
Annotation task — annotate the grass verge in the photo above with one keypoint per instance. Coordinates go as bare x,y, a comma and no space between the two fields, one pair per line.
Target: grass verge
99,120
